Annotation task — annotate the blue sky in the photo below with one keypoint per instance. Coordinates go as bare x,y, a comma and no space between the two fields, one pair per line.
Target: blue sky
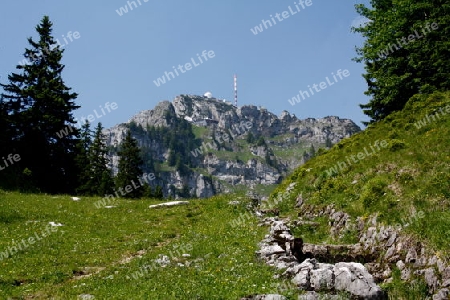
117,58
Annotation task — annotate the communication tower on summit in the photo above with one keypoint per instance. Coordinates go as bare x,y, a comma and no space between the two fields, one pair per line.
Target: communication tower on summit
235,90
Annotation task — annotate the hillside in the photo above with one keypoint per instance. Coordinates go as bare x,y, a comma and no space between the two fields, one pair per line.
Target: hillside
388,211
387,190
223,148
129,251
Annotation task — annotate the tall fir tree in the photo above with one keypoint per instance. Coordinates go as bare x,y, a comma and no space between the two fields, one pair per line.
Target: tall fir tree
9,177
95,175
158,192
406,52
130,163
40,105
82,159
101,182
312,151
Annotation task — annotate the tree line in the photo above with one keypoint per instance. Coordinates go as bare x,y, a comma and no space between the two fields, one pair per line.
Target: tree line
35,105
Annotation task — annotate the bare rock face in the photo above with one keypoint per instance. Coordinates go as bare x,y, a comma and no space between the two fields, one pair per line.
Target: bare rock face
223,118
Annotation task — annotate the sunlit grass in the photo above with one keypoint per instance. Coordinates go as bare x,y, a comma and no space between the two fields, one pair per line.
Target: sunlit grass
219,263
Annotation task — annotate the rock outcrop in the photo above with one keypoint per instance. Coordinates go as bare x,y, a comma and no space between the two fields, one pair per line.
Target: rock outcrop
279,247
385,247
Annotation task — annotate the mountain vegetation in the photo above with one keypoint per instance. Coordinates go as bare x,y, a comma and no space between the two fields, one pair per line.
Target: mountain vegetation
387,186
406,52
38,105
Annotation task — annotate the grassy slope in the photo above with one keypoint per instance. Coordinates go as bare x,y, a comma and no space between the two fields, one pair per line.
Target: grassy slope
222,263
411,175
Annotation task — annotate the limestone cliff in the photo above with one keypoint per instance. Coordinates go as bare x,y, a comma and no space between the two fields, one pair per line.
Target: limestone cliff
226,156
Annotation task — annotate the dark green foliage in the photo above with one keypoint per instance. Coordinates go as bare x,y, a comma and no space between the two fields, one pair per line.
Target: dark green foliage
82,158
261,142
271,159
305,155
95,177
184,192
8,176
130,163
178,139
181,167
328,143
158,192
40,106
147,191
5,131
250,138
395,70
312,151
172,160
100,181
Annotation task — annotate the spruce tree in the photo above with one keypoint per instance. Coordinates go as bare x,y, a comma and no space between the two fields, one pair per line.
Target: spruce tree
100,181
328,143
82,159
130,163
5,138
40,107
158,192
312,151
9,178
405,52
250,138
99,158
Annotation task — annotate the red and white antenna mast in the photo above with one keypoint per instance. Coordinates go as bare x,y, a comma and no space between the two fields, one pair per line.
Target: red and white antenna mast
235,90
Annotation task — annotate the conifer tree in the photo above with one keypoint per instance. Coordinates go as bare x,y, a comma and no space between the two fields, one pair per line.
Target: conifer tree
130,163
147,191
40,105
405,52
82,159
328,143
312,151
250,138
9,176
98,155
158,192
100,181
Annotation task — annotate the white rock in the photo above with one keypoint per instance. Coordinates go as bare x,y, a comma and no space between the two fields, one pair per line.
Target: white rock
171,203
55,224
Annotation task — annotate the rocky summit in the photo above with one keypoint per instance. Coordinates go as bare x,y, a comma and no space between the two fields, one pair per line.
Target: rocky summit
199,146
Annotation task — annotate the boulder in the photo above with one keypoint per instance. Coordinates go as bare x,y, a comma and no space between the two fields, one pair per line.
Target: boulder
355,279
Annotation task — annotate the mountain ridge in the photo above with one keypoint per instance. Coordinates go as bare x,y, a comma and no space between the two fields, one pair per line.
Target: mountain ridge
245,145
